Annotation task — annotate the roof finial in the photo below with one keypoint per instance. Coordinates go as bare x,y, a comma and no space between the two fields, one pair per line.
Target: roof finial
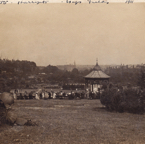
96,61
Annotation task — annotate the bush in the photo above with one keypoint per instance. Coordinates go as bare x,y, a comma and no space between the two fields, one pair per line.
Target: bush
129,100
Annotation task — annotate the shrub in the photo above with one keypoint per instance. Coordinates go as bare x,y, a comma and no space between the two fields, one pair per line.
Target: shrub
129,100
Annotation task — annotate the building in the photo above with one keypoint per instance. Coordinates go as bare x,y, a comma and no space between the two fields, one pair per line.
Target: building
95,78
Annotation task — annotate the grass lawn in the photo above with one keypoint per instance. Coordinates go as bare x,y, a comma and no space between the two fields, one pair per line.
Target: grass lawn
73,121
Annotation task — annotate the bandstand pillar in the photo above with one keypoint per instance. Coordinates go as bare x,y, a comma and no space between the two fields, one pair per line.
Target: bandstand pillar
92,87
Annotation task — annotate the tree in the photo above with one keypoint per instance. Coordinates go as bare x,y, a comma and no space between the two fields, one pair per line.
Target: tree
75,71
51,69
141,79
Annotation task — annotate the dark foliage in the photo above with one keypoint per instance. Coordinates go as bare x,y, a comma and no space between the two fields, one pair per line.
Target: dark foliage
123,74
141,77
128,100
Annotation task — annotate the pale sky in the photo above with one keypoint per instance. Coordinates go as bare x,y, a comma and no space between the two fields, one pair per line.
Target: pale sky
61,33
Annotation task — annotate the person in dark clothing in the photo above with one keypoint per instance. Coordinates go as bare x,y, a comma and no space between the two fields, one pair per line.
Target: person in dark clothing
49,95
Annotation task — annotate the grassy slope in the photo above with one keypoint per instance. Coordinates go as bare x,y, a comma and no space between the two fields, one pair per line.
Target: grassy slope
73,121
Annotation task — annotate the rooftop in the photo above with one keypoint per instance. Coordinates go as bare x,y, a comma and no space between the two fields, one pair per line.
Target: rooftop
97,73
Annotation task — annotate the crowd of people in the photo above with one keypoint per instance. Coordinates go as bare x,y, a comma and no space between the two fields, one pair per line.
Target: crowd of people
45,94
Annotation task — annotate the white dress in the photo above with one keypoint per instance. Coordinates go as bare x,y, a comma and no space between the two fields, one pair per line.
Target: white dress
37,97
15,96
43,95
46,95
54,95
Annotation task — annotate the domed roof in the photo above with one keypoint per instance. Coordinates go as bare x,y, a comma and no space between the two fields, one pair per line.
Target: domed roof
97,67
97,73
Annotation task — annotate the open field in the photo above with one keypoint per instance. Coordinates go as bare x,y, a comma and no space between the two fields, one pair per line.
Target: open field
73,121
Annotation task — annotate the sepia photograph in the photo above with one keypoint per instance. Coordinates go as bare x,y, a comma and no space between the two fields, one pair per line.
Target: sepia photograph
72,73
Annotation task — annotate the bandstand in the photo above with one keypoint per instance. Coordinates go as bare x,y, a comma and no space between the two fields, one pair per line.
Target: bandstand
96,77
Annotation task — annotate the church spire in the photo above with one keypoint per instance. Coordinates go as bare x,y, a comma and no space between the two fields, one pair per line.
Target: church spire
97,67
96,61
74,64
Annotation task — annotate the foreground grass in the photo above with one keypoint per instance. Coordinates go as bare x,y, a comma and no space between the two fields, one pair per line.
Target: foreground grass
73,121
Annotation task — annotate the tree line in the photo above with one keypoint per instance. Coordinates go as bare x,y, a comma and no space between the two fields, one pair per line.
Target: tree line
24,74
